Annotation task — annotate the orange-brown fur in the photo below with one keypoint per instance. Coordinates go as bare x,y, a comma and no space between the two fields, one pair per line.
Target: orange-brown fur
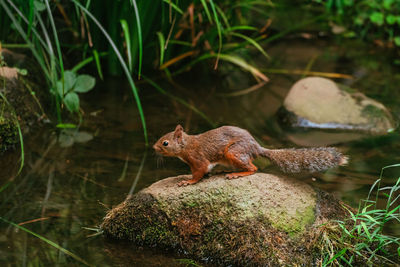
233,146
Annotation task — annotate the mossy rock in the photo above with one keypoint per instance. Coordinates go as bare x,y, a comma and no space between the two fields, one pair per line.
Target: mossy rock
21,99
319,103
257,220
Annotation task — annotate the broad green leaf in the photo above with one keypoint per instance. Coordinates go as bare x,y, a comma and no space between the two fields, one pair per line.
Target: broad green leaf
71,101
387,4
69,80
377,18
84,83
390,19
397,40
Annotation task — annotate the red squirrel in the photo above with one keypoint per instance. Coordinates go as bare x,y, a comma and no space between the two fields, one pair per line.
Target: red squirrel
233,146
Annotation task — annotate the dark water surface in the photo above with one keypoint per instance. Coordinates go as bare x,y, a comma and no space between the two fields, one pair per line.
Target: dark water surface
64,190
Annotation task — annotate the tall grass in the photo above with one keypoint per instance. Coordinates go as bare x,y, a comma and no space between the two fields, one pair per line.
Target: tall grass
361,239
125,34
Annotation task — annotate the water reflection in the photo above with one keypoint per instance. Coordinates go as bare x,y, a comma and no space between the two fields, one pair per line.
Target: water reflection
64,189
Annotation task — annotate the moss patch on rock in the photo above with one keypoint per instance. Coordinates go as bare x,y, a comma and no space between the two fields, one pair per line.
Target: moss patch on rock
19,103
261,219
8,132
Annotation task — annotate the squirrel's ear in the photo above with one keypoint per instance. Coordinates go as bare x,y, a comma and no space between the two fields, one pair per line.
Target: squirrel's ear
178,133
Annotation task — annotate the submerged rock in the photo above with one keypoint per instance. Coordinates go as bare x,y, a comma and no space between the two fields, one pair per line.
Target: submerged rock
260,219
320,103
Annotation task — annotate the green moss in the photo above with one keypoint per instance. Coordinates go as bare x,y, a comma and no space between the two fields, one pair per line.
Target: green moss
295,225
373,111
8,134
156,234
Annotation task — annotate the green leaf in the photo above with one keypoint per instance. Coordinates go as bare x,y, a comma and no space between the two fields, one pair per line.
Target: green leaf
377,18
84,83
175,7
66,126
387,4
397,40
71,101
59,89
390,19
69,80
39,6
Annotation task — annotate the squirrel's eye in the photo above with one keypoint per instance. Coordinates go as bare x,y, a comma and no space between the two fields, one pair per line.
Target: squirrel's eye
165,143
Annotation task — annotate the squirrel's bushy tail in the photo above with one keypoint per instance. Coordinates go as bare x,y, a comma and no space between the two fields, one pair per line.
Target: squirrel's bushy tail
305,159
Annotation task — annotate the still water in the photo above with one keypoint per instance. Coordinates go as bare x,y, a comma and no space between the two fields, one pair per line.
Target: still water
72,178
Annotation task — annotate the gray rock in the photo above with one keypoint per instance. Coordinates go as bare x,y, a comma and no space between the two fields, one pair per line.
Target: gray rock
256,220
320,103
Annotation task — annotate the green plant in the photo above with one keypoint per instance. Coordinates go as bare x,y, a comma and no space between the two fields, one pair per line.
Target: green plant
127,32
70,86
370,19
361,239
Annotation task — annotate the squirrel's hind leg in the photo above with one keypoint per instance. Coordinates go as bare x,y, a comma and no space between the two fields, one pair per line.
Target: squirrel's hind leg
239,161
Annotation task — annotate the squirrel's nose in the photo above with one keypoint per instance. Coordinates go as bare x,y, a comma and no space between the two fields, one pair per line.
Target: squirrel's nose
154,147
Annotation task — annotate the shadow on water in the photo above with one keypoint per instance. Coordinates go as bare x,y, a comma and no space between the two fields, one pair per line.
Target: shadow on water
64,189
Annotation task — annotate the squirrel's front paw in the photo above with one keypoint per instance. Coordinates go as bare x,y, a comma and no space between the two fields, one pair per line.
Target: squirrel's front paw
231,176
186,182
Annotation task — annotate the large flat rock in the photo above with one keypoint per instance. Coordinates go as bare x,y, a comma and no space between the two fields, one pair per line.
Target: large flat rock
260,219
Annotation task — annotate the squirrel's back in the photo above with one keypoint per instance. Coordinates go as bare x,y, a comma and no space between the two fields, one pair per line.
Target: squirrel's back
220,138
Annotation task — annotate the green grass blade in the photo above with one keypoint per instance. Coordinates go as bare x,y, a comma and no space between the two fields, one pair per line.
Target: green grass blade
223,16
124,67
21,142
30,17
244,65
230,58
139,29
127,36
364,226
26,20
219,29
53,27
161,42
241,27
97,56
204,3
51,243
183,43
337,255
393,189
251,41
175,7
86,61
